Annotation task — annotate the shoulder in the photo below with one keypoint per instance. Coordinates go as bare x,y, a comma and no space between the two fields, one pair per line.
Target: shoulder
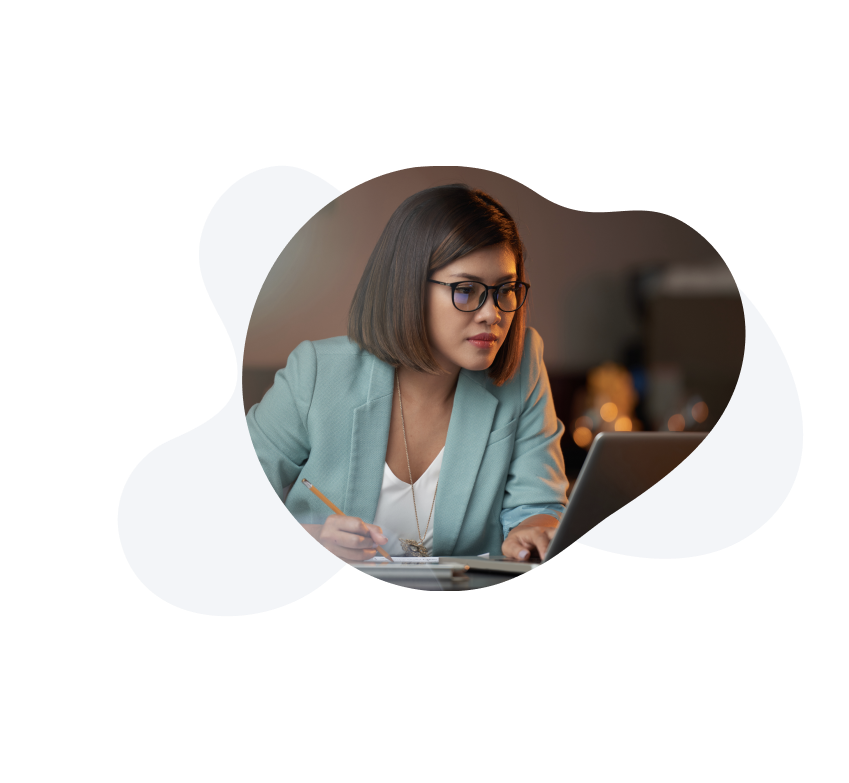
312,358
531,356
532,367
337,346
532,350
529,369
325,351
334,369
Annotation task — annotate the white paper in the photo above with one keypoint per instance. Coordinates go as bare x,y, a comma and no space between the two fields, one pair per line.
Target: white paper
404,560
379,559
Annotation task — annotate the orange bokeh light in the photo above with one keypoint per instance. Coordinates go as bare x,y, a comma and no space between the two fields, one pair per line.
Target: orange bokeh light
582,436
609,411
676,423
700,411
623,424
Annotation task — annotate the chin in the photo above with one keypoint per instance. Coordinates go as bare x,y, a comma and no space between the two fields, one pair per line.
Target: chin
477,363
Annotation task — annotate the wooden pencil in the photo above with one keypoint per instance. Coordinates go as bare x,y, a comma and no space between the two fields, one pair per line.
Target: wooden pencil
336,510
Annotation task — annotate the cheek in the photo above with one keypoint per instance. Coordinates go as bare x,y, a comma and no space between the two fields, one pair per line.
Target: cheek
445,329
434,319
440,317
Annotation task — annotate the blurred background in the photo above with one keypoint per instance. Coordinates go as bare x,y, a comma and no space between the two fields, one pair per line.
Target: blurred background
641,319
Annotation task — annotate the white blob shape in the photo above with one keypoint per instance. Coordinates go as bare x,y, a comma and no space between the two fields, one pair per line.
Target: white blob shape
735,480
200,524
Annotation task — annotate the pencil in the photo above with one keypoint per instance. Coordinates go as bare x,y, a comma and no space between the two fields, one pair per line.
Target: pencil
337,510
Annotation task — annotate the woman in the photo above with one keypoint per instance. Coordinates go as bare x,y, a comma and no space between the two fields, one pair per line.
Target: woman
431,424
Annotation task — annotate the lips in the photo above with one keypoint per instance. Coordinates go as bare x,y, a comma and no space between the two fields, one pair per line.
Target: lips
483,340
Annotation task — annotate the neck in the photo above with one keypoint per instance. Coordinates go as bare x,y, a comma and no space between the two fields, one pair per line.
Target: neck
420,386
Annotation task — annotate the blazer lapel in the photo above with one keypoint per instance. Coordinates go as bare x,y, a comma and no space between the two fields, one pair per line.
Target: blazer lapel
369,437
468,433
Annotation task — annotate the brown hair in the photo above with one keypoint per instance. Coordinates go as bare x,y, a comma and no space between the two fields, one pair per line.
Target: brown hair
429,230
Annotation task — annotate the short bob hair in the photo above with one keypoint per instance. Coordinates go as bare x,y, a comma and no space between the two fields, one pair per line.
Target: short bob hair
429,230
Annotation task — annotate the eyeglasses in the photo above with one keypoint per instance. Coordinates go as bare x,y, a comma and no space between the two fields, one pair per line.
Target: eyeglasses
470,295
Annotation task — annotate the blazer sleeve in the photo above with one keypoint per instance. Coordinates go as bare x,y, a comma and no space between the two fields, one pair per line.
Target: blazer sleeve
512,517
537,476
278,424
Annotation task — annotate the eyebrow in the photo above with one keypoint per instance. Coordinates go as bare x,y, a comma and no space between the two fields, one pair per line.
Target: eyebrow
475,278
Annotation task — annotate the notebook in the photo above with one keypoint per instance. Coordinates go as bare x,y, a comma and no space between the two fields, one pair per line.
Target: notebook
619,467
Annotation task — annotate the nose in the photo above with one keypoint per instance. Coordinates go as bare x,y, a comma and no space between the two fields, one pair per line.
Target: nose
489,313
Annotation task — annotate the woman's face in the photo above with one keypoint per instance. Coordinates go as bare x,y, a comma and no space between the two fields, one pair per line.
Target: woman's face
452,332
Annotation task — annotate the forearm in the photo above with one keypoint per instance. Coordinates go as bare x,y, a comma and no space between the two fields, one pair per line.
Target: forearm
538,520
513,517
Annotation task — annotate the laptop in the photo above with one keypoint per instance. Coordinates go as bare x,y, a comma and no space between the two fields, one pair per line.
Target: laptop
620,466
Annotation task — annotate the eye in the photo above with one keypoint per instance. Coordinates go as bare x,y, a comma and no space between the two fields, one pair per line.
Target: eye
465,289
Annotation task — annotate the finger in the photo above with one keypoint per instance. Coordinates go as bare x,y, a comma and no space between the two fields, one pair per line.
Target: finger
348,540
539,539
527,541
377,535
348,524
342,522
515,549
542,548
372,534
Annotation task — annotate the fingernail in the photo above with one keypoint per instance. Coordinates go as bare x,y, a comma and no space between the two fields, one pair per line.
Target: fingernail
523,554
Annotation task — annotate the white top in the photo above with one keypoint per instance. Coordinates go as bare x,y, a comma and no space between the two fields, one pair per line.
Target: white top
395,515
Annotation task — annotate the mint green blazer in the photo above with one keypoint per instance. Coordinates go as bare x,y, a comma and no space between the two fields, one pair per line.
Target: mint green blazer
326,419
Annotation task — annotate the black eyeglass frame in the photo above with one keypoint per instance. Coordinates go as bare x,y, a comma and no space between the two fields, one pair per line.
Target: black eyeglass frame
453,287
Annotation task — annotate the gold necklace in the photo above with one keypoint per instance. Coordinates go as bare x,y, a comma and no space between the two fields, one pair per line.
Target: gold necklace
413,548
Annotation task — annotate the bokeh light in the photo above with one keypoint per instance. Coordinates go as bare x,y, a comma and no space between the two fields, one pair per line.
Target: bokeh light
583,436
609,411
610,397
676,423
700,411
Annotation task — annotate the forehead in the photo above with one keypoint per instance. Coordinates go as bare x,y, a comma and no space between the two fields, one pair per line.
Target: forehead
488,263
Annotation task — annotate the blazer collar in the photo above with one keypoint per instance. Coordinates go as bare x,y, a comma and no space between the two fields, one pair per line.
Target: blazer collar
468,432
368,444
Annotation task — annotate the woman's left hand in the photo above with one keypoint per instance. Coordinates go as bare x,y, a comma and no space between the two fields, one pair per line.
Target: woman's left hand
530,538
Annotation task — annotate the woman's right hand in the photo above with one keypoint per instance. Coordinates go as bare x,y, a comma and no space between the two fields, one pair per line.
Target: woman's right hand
348,537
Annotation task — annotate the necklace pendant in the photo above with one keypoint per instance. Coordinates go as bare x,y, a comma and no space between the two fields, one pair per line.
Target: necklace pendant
413,548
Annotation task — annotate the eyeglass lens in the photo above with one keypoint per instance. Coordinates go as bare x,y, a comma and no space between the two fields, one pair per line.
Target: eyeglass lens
470,296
